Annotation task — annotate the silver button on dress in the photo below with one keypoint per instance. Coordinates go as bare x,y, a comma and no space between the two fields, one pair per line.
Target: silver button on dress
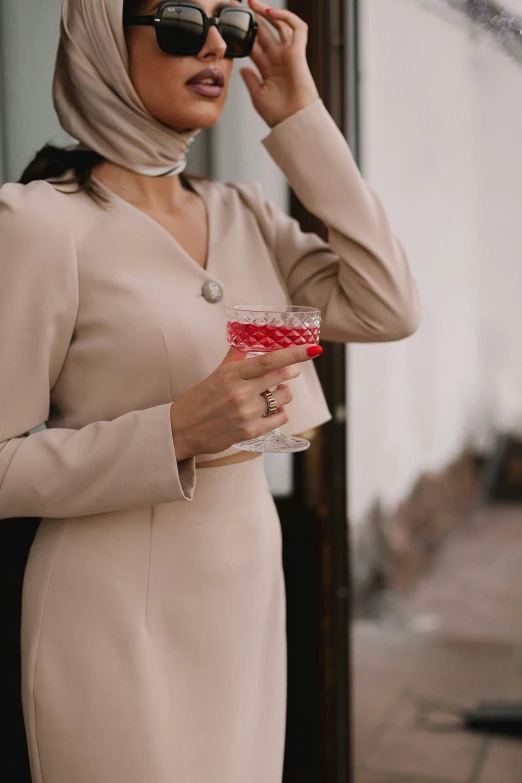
212,291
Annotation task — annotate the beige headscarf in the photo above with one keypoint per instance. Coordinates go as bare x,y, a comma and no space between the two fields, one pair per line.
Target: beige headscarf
94,97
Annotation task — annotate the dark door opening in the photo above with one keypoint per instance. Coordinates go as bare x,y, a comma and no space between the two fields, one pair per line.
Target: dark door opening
314,518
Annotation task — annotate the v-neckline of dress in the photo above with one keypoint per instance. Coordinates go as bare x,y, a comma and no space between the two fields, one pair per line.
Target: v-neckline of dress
210,236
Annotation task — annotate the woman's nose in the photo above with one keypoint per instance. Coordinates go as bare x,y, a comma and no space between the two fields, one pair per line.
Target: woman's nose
214,46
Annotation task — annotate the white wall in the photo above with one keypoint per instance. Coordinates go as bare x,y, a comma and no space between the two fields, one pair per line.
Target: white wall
500,295
440,124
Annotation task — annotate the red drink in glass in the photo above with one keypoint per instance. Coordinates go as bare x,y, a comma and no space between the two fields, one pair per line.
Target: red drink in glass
254,338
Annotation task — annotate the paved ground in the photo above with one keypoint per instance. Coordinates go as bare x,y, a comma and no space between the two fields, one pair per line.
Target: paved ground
457,640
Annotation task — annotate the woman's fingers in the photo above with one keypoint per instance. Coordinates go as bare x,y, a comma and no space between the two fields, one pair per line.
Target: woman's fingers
252,80
278,14
276,378
261,59
283,395
275,360
270,423
257,407
265,36
282,20
227,407
262,54
286,33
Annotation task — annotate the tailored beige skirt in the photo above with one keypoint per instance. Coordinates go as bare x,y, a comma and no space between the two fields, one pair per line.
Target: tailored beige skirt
154,641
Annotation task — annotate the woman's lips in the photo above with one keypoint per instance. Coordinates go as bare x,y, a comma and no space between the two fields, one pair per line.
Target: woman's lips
208,90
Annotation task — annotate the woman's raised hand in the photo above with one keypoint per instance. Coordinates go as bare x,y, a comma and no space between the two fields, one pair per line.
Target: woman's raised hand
227,407
286,83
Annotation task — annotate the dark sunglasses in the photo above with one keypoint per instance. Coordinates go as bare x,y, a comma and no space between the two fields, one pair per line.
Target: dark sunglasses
182,28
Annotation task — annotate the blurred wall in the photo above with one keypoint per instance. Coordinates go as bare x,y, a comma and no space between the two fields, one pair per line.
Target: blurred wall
28,53
440,124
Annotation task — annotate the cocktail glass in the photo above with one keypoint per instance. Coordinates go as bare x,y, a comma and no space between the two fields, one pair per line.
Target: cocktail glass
258,329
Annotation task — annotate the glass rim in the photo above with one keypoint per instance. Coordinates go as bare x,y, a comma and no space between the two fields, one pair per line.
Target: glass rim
297,309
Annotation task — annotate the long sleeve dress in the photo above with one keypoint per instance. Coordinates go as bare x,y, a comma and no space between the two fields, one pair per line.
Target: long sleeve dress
153,624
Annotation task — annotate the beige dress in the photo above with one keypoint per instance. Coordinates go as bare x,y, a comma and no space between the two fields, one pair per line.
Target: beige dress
153,628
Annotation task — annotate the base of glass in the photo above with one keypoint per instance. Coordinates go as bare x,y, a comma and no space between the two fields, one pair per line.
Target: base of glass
274,443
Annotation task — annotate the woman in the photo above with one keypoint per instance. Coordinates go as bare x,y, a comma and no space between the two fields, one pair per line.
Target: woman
153,628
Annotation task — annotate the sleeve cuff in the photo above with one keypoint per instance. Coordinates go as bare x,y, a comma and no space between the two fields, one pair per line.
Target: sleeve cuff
315,158
303,115
170,480
306,133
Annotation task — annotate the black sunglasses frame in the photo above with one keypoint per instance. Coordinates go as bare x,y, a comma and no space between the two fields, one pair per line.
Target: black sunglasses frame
208,22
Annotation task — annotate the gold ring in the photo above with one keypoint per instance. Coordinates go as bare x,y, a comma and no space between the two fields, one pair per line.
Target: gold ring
270,403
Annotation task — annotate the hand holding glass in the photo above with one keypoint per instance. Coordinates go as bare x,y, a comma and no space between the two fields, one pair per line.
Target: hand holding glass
255,330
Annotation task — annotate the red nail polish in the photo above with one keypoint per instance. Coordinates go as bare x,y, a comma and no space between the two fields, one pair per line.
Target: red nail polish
316,350
269,10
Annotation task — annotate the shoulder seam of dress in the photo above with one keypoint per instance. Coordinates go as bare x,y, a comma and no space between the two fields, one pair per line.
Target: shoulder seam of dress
67,220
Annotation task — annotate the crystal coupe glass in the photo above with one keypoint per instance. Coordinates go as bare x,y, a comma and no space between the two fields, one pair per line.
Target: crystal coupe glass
257,329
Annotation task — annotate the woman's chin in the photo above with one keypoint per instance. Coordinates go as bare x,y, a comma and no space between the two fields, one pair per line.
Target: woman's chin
206,117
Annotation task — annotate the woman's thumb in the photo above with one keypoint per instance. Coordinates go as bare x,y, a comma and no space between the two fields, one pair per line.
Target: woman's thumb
251,80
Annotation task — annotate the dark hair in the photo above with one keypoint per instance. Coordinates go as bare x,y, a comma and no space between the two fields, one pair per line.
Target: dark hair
53,162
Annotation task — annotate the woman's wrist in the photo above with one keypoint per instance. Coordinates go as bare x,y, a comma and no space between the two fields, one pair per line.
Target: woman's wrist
290,110
181,446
